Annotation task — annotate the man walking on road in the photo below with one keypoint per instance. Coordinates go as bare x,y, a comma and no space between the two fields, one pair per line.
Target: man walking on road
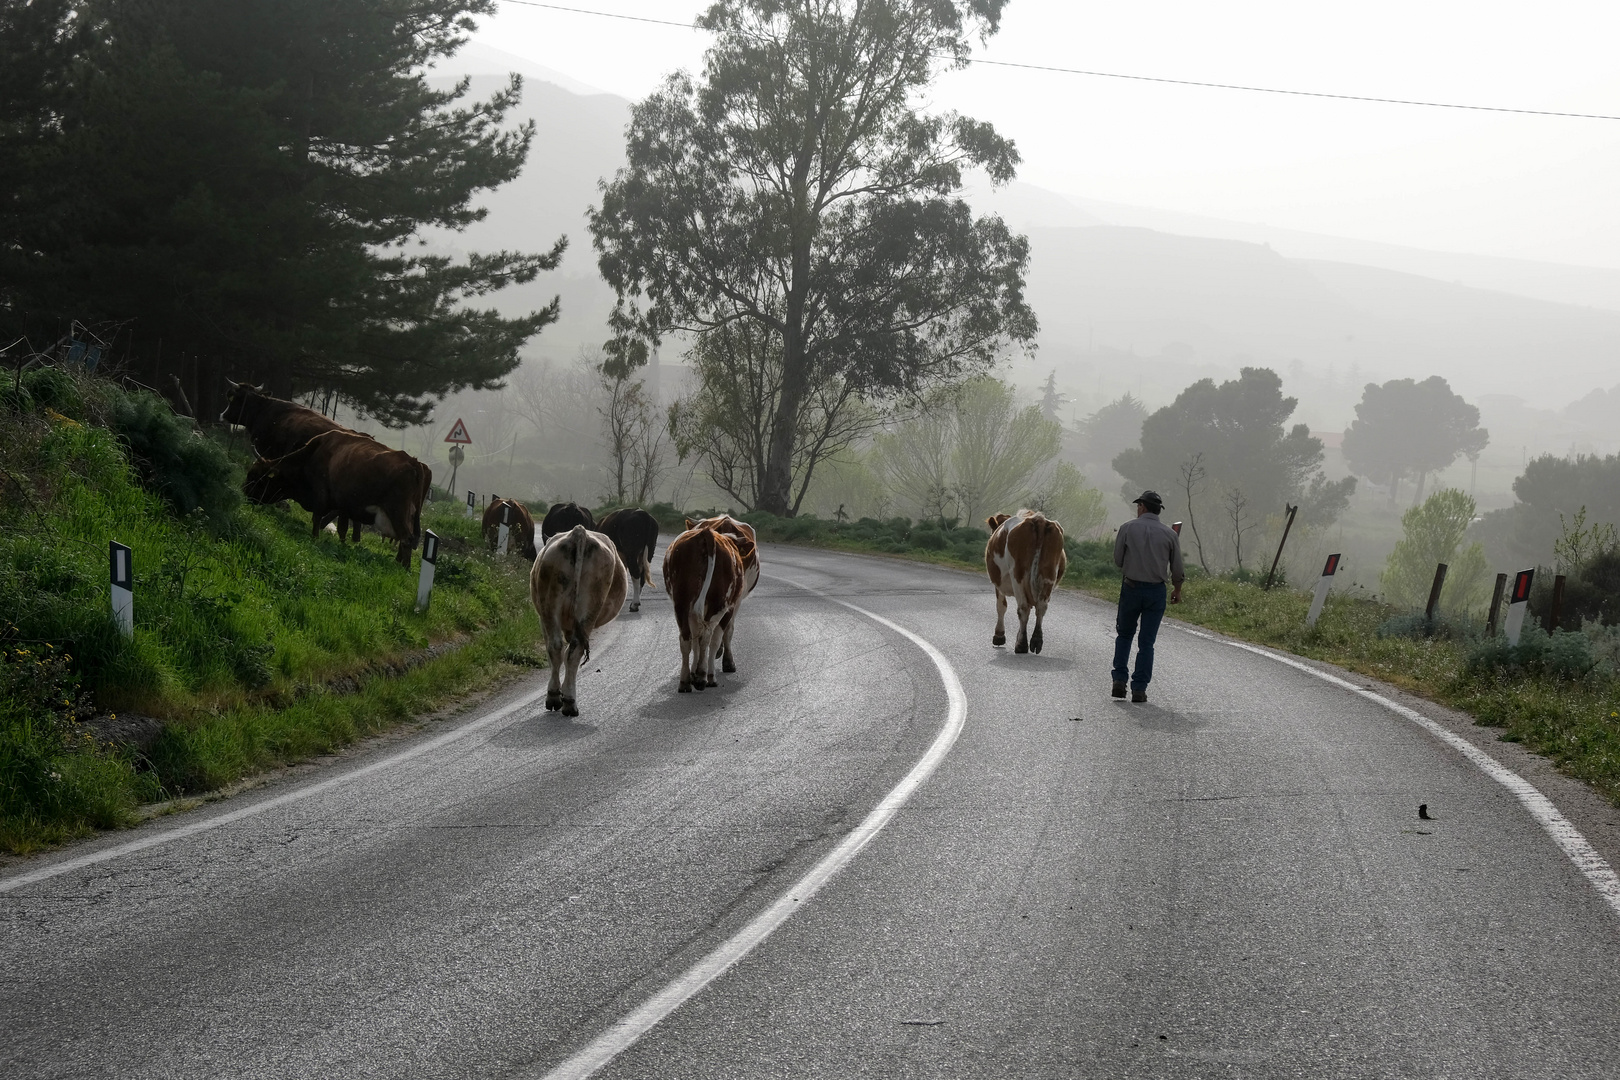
1147,550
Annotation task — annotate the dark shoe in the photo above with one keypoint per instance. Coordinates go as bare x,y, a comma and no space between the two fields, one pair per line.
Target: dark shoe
1138,696
1119,689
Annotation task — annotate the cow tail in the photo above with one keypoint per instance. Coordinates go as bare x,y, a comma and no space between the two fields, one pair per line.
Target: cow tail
646,565
700,606
581,616
1035,564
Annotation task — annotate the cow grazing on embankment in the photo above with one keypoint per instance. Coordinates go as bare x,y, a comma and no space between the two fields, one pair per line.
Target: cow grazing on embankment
520,527
276,427
742,535
338,475
1025,560
703,574
562,517
577,585
634,533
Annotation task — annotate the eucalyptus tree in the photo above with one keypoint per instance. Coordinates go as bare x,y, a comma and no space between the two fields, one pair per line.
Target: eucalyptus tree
796,194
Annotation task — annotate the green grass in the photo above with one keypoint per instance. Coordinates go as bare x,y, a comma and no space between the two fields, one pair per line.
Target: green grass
247,630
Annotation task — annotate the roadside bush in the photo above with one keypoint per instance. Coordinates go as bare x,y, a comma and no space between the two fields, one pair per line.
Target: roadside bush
1563,655
1417,627
189,471
53,388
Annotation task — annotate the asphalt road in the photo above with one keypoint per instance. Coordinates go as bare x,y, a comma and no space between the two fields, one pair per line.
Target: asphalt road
1230,881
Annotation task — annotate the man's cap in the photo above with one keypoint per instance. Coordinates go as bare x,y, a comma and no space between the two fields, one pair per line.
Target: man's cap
1151,500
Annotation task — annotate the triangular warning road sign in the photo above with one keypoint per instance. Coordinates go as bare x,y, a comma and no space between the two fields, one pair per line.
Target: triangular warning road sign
458,434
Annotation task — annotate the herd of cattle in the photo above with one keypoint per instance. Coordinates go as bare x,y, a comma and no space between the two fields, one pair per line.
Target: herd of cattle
584,569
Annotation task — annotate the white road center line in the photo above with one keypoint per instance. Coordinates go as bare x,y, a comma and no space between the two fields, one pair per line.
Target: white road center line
622,1035
1561,829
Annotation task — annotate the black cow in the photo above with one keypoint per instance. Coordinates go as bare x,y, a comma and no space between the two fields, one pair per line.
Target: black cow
562,517
634,533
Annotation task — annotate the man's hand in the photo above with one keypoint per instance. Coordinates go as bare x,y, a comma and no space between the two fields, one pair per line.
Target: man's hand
1175,595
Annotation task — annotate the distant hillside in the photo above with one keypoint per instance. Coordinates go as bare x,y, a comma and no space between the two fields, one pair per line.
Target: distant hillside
1107,293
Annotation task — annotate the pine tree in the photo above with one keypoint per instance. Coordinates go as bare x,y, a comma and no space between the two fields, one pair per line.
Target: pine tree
248,179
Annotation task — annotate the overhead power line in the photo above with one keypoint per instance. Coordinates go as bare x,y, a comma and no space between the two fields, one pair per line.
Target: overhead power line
1143,78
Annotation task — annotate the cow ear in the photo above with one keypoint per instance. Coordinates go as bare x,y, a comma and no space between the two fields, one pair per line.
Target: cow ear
690,524
995,521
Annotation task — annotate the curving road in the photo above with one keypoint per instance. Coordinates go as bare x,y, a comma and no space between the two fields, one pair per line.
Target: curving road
1230,881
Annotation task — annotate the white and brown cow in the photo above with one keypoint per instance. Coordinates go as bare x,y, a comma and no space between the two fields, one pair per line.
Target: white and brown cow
742,534
703,574
1025,560
577,585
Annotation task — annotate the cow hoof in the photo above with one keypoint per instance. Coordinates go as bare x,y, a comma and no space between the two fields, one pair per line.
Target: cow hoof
553,703
1022,647
712,681
1035,642
686,688
634,606
728,667
999,639
569,708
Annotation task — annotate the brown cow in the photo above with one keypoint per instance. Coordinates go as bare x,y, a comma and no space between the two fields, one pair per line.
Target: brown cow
577,585
340,474
520,527
634,533
276,427
703,574
1026,560
742,534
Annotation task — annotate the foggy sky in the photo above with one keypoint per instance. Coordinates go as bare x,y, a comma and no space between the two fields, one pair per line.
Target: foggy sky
1525,187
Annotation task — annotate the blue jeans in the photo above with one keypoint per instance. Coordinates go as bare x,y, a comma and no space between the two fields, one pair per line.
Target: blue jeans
1138,602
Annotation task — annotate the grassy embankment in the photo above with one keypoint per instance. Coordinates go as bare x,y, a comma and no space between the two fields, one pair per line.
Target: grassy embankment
1570,716
254,644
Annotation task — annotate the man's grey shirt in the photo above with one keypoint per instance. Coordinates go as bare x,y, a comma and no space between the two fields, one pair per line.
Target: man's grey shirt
1143,548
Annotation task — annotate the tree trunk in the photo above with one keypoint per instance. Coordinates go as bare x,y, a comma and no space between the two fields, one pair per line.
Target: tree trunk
1423,478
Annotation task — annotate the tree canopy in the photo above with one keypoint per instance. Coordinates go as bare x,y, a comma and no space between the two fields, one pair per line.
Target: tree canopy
246,180
1432,533
1114,428
795,194
1406,428
1229,444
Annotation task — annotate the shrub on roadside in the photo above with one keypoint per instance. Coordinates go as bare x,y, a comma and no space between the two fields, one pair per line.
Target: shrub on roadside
1563,655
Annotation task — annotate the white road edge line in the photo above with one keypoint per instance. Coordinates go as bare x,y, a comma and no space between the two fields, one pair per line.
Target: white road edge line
1548,816
622,1035
169,835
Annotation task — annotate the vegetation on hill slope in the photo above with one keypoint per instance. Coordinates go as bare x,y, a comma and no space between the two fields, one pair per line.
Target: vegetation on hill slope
247,631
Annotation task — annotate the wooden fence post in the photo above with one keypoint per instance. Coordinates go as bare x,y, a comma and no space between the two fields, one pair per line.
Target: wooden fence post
1434,592
1292,510
1496,605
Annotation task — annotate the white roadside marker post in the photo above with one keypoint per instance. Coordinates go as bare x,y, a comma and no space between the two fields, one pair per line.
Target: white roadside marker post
506,528
123,587
1518,604
472,504
1323,584
430,557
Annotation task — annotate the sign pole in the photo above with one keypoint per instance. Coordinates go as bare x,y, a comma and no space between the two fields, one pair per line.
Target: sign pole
1518,604
123,587
1323,584
430,559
